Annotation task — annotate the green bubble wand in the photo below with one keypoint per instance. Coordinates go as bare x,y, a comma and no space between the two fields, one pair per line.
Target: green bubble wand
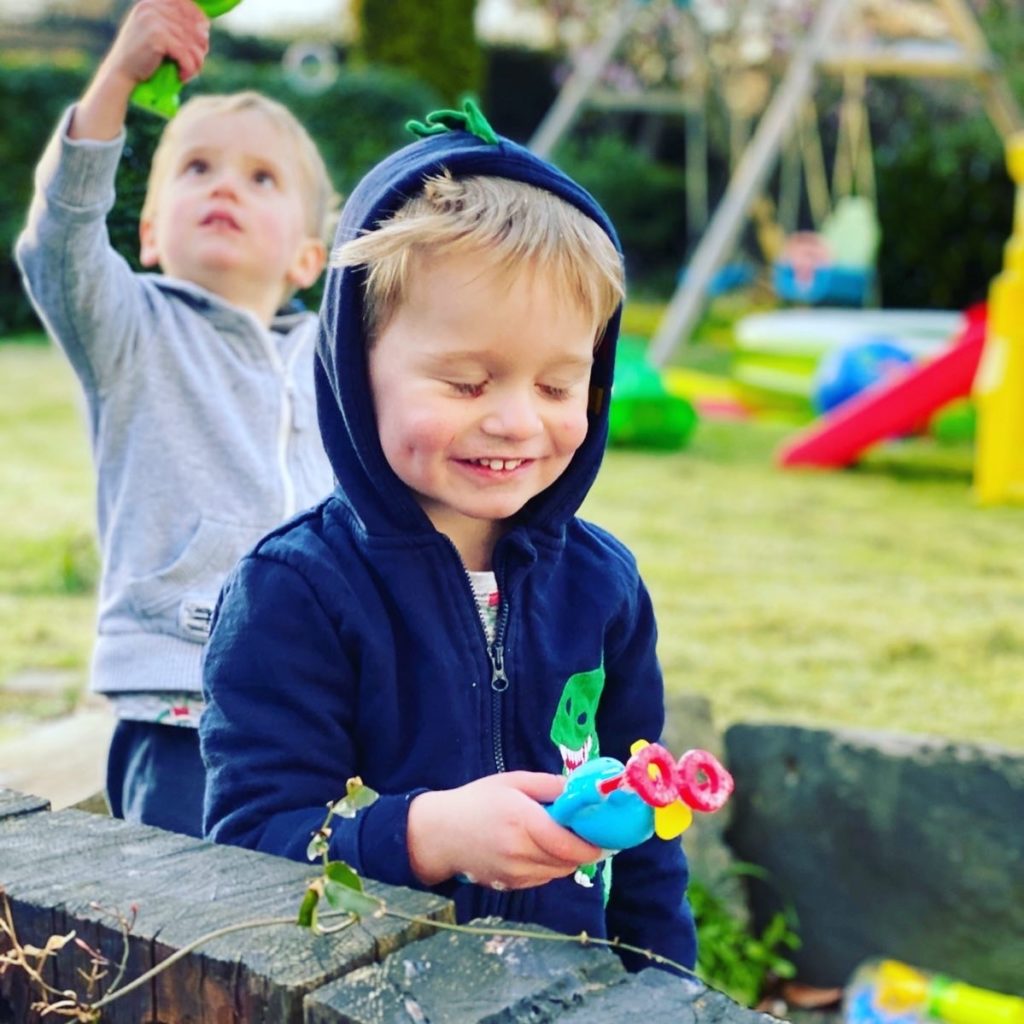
161,92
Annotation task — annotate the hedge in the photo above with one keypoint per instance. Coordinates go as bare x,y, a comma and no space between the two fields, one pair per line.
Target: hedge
434,42
358,120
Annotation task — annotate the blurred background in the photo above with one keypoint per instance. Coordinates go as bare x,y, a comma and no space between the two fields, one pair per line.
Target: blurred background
880,596
696,75
781,596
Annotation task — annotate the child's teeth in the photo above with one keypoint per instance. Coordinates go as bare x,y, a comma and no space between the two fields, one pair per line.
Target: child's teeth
500,464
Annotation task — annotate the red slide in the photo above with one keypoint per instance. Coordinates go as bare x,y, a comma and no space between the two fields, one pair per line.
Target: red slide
897,405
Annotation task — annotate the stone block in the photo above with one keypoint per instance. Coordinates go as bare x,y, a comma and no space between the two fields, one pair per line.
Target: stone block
904,846
689,724
459,978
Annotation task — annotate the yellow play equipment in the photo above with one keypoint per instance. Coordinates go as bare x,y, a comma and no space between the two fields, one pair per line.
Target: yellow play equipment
999,385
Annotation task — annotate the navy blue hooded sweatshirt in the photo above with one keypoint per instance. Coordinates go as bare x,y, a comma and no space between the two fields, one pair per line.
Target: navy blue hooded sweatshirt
348,641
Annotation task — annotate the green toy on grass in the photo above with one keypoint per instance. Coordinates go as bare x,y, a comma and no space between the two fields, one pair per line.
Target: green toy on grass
644,413
955,423
161,92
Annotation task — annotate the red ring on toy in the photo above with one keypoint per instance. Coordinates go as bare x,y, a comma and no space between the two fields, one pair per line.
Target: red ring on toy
704,784
661,790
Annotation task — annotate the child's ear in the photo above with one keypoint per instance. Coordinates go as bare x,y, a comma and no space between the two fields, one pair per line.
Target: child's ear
149,254
308,263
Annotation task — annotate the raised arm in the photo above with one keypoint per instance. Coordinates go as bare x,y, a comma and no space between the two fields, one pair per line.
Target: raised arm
84,292
153,30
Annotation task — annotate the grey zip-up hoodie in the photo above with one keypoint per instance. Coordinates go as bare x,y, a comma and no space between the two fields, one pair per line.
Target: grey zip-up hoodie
202,422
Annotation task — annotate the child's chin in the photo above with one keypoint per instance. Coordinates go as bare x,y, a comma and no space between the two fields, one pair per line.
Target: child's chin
498,512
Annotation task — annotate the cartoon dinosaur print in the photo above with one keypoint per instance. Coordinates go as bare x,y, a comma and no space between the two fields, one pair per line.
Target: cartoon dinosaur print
574,732
574,728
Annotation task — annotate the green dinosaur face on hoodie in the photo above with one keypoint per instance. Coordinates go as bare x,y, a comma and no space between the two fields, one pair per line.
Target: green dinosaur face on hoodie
574,729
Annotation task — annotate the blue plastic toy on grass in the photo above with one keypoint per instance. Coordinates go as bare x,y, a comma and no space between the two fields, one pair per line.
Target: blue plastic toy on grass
616,806
848,370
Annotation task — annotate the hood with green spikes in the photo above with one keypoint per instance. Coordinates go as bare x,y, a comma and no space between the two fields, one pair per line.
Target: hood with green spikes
463,144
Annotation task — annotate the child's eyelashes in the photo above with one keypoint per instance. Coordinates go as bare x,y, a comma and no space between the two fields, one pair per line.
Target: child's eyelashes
261,177
474,389
469,388
264,178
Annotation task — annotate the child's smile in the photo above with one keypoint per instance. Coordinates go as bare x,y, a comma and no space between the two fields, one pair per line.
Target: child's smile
480,383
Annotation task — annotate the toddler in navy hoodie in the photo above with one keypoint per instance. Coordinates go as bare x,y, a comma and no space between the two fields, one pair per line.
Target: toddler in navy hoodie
444,626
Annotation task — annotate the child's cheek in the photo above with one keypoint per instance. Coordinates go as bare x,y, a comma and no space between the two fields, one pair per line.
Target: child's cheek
573,430
429,433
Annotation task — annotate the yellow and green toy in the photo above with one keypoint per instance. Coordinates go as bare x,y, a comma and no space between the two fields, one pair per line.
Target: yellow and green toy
161,92
891,992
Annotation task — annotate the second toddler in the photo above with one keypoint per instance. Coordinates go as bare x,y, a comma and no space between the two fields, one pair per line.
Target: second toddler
199,393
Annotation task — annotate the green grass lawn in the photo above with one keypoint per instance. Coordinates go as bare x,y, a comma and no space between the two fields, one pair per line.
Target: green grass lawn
878,597
47,554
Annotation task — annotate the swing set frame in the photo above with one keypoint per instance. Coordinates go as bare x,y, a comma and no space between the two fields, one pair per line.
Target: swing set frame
785,129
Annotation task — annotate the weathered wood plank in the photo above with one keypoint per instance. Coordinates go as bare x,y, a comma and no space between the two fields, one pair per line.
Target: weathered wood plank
14,804
657,997
59,867
453,977
54,866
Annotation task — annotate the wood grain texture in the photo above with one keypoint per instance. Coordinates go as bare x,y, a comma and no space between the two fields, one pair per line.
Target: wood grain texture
14,804
56,867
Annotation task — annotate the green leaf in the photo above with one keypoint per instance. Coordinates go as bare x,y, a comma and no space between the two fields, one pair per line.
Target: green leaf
338,871
357,797
307,910
341,897
319,844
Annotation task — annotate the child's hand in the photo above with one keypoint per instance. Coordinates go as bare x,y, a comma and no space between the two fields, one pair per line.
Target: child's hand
496,832
155,29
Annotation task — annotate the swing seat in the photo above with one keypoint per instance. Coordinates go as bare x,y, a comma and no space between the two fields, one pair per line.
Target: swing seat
831,285
835,266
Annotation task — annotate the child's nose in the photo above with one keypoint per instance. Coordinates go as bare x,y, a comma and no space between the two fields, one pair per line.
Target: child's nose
513,415
224,183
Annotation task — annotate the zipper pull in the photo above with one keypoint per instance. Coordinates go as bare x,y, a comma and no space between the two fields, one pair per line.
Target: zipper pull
499,681
296,412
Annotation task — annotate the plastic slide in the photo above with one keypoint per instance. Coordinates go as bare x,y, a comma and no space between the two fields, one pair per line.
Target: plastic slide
898,405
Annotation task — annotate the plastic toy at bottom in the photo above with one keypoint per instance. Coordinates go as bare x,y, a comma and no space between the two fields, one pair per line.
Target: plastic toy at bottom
849,369
891,992
161,92
616,806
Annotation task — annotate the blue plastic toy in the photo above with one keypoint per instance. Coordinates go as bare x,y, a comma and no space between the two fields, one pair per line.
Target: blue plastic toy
616,806
850,369
613,822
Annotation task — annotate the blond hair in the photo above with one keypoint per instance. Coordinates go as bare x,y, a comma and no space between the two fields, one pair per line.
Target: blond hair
318,195
509,222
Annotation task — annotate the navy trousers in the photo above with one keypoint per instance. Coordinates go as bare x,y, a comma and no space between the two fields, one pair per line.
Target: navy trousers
155,776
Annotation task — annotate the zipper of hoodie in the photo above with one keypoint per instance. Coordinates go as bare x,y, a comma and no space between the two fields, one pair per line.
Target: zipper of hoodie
285,420
496,657
499,681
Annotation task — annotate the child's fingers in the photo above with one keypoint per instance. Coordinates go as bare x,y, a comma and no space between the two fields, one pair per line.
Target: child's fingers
540,786
557,847
560,846
188,45
189,60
